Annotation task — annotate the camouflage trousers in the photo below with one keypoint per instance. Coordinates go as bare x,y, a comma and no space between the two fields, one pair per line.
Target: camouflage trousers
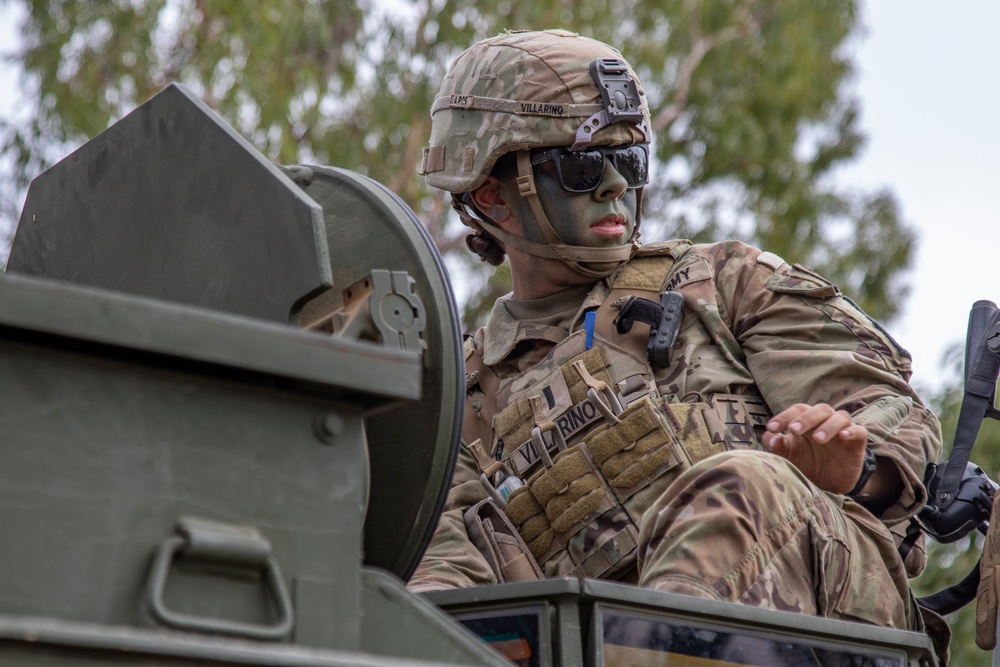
746,526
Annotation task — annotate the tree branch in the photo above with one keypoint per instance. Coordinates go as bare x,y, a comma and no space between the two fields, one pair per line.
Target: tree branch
701,45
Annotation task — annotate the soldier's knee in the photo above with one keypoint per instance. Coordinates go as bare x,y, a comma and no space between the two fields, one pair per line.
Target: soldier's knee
731,498
732,490
756,473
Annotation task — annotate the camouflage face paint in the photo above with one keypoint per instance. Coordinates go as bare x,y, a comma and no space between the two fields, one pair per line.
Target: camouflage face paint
603,217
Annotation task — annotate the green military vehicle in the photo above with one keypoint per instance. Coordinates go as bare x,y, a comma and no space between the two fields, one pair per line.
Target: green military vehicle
232,396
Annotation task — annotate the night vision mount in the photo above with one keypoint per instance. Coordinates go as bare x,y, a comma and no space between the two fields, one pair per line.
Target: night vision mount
620,94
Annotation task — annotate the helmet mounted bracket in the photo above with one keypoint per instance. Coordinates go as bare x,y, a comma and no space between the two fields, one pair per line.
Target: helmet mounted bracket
620,94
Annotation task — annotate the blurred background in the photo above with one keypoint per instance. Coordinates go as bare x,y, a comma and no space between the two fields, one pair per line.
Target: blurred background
856,138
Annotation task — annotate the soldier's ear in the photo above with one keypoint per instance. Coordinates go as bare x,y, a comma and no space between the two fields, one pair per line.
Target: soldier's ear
490,200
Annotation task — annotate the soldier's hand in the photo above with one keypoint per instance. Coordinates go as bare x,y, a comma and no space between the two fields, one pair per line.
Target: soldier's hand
825,444
989,580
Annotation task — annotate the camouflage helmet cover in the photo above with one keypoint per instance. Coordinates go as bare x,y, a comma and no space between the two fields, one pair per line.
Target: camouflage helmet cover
517,91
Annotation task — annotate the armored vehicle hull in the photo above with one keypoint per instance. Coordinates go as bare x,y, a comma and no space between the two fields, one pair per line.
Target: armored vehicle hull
232,400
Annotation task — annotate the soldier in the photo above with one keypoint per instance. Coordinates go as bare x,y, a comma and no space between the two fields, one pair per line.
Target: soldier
763,446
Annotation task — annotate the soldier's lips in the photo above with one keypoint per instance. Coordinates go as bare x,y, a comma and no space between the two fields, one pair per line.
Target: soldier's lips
613,225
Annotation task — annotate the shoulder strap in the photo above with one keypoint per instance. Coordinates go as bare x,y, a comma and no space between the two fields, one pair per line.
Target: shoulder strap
479,424
648,270
644,276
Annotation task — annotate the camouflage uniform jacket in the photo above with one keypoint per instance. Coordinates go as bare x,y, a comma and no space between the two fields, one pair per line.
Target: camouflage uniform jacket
753,327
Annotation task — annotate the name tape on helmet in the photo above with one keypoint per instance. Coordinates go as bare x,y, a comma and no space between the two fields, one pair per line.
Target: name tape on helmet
517,107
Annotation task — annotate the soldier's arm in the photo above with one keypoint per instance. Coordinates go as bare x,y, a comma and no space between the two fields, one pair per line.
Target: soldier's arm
805,343
451,560
828,447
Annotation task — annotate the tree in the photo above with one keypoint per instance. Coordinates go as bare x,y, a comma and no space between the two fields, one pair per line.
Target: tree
749,101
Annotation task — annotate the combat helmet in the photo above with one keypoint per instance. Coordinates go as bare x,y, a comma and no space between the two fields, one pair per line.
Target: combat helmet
525,90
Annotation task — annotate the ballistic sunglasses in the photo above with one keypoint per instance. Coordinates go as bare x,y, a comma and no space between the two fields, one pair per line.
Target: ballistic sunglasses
583,171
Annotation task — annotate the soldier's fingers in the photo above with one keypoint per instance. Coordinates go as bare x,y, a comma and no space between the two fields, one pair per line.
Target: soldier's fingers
854,435
776,443
780,421
809,419
837,425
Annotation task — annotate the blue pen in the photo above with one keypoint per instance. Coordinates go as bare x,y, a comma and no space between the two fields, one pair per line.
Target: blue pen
588,325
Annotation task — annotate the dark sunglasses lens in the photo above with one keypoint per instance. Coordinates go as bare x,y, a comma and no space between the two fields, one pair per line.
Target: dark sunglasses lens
581,171
632,164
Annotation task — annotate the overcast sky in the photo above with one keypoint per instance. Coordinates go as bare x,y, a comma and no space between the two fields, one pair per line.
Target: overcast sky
929,92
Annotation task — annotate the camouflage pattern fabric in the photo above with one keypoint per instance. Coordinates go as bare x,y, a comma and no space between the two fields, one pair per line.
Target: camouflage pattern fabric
988,593
747,527
753,326
517,91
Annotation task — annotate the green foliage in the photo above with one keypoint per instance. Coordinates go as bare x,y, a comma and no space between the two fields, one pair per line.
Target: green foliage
749,101
765,124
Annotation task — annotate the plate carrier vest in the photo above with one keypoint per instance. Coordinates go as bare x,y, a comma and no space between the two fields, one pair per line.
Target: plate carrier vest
581,444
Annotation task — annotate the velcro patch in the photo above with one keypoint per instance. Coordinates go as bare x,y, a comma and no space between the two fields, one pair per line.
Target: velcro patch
569,491
634,448
554,396
771,260
644,273
531,522
794,279
433,160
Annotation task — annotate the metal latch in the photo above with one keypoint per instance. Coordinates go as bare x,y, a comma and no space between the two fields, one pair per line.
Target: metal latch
384,308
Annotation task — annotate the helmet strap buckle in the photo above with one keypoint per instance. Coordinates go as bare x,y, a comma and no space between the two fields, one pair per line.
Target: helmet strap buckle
526,185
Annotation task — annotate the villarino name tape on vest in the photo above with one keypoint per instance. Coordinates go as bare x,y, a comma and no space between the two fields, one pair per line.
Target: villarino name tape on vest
571,422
